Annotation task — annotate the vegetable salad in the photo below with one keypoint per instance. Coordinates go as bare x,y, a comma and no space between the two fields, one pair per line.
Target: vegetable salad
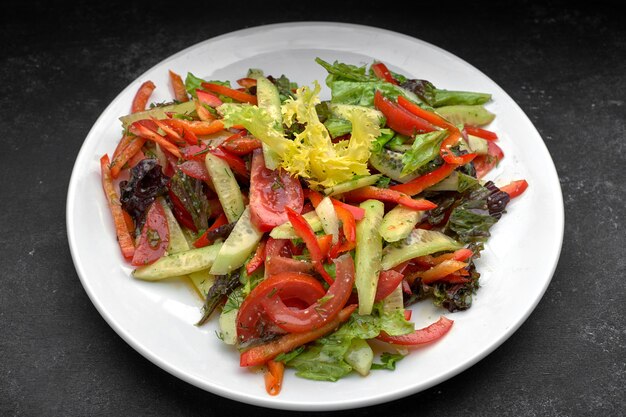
308,226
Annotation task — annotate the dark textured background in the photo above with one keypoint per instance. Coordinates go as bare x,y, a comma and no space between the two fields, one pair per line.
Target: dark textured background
60,66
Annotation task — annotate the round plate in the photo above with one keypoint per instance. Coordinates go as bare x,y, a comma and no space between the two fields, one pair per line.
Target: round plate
157,319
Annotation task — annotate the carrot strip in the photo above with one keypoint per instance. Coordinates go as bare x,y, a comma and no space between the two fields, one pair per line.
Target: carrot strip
142,96
126,155
274,377
180,93
258,355
121,230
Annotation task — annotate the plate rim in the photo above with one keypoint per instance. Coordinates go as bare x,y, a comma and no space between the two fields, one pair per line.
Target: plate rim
271,402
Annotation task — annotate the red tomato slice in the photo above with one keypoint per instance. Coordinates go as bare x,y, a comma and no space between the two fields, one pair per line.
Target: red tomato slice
485,163
421,336
287,285
387,282
323,310
271,192
155,237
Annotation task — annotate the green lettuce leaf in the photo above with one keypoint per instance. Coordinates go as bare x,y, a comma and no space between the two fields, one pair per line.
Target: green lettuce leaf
425,148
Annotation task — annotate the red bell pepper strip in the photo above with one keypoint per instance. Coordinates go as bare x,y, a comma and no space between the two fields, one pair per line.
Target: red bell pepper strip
154,238
209,99
172,134
286,285
203,241
314,197
126,139
480,132
421,336
323,310
126,155
387,282
180,93
139,129
230,92
390,196
400,119
259,355
515,188
325,242
305,232
429,179
382,72
274,377
142,96
123,236
347,240
258,259
453,137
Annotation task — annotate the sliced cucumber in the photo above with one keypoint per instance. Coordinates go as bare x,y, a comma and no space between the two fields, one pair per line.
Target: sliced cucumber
178,264
228,326
241,242
399,222
353,184
158,112
390,164
226,187
330,223
369,246
450,183
269,99
419,243
477,145
475,115
203,281
360,356
178,241
286,230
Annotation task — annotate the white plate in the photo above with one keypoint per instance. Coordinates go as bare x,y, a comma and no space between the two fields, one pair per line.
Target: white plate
157,319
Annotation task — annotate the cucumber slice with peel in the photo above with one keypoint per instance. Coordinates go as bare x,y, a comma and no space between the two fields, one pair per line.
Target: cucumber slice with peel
269,99
226,187
419,243
241,242
399,222
330,223
353,184
359,356
178,264
369,247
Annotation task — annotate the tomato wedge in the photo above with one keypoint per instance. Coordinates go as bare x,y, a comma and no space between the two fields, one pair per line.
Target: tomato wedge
155,236
485,163
421,336
250,318
271,193
323,310
387,282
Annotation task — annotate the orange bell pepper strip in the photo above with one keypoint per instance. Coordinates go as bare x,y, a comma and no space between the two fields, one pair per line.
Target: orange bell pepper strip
388,195
458,255
258,355
142,96
441,270
230,92
137,128
180,93
274,377
133,147
127,245
126,139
